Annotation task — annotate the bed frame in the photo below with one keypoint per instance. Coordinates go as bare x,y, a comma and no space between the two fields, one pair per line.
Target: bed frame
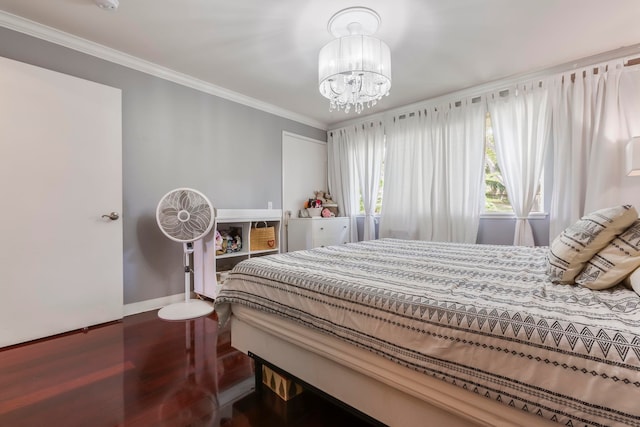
382,389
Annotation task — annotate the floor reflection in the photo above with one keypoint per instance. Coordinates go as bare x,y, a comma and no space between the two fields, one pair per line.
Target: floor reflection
181,372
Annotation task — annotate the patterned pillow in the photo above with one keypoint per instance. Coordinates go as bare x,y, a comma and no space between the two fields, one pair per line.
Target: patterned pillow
632,281
612,264
569,252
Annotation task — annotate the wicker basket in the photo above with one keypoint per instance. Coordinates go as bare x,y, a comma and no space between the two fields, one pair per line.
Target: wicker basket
262,238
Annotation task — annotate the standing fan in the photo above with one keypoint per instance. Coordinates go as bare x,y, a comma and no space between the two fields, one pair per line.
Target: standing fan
185,215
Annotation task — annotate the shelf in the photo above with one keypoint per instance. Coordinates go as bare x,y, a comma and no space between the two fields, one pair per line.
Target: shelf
232,254
207,264
245,253
244,215
266,251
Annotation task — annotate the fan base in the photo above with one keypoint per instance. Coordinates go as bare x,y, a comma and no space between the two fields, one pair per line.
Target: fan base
185,310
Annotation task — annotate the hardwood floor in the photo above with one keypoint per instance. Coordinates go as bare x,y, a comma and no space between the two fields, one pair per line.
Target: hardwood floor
144,371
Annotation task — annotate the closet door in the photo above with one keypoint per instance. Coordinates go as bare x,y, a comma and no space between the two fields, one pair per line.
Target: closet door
60,172
304,169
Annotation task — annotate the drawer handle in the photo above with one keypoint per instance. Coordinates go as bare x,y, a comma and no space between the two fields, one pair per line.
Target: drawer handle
321,228
344,226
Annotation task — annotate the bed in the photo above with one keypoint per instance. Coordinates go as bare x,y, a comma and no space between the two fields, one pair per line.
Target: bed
413,332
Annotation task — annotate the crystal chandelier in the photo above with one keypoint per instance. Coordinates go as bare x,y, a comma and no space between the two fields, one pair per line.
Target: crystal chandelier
354,69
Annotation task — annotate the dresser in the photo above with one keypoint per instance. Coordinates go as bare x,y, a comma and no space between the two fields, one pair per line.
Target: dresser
307,233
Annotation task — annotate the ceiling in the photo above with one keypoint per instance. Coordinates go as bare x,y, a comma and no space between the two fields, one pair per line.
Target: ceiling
268,49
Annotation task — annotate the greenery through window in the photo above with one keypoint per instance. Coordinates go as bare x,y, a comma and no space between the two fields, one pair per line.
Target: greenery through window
496,198
378,199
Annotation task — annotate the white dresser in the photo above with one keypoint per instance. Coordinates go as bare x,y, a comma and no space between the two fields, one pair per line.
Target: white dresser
307,233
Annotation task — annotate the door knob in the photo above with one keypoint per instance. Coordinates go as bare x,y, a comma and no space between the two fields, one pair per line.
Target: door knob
112,216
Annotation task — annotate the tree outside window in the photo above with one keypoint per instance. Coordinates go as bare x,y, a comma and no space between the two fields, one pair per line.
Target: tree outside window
496,198
378,199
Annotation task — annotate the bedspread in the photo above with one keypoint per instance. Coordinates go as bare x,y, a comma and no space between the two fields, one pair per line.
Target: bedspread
483,317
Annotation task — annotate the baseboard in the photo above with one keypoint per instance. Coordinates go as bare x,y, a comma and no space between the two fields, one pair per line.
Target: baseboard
236,392
151,304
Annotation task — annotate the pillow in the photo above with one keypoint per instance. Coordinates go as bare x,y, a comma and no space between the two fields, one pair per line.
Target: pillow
612,264
569,252
632,281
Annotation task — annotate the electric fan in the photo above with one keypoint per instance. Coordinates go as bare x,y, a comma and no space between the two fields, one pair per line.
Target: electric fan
185,215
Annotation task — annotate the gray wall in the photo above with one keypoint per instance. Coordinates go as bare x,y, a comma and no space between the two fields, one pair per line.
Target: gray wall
494,231
500,231
173,136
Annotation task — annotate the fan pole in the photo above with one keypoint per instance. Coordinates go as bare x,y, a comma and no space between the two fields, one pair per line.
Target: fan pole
188,250
190,308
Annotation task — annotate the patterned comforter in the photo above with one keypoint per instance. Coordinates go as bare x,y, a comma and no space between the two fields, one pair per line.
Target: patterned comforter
485,318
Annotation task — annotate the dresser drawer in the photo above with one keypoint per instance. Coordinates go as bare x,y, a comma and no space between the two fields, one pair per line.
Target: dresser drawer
329,227
307,233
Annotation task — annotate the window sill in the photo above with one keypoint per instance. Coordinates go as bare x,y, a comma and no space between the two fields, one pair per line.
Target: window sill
488,215
511,215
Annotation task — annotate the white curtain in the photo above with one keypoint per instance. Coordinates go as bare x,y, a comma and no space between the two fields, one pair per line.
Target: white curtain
369,156
406,194
592,121
521,122
433,181
342,175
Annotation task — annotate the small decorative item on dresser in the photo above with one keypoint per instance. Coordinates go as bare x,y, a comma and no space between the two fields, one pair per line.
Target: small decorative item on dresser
262,238
326,213
314,212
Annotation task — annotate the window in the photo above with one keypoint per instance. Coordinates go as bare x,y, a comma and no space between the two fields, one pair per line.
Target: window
378,199
496,198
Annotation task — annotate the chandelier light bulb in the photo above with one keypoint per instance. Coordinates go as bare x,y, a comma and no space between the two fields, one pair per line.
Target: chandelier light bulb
354,70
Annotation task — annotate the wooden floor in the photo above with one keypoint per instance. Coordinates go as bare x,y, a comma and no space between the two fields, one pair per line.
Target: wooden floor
144,371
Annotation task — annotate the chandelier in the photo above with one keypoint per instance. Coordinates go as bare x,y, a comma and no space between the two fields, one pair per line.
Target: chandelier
354,69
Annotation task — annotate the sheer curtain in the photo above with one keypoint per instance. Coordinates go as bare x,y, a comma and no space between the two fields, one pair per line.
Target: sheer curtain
369,156
521,124
591,126
406,195
434,173
342,174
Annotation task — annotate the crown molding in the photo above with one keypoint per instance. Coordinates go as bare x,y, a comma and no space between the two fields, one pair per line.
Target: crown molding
43,32
623,53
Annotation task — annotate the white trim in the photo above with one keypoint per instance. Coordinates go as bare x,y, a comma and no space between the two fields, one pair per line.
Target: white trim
236,215
497,85
511,215
43,32
151,304
304,138
236,392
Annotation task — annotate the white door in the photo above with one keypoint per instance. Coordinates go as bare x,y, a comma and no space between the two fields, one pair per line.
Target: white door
304,169
60,171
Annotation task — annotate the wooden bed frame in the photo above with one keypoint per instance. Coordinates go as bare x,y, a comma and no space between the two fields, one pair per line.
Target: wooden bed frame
382,389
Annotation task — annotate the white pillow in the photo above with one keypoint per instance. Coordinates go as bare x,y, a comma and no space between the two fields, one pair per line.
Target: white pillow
612,264
570,251
632,281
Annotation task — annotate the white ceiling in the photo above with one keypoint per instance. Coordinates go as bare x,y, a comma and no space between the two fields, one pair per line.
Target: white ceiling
268,49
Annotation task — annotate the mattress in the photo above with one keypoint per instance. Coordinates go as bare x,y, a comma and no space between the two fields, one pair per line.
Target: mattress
484,318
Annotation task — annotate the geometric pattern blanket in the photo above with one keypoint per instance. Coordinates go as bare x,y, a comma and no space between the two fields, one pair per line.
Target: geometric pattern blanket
483,317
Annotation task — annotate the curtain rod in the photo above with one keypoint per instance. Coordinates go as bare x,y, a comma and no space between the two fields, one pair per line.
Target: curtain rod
629,54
